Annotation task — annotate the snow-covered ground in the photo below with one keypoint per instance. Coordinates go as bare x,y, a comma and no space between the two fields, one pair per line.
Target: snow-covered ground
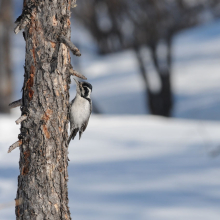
132,168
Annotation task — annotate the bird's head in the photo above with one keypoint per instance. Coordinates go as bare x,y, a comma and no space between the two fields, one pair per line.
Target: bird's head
84,89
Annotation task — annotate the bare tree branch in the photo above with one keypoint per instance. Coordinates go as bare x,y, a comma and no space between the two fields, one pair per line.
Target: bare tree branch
22,23
77,74
71,46
15,103
22,118
15,145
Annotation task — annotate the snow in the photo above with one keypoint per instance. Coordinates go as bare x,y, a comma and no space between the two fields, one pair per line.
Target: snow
132,167
129,165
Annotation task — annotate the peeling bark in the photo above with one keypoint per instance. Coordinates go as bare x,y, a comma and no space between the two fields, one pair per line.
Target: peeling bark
42,183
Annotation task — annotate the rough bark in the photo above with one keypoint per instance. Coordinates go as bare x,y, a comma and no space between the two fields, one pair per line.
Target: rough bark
6,84
42,183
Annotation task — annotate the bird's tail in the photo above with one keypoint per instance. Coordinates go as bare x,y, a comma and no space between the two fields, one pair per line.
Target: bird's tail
80,134
72,135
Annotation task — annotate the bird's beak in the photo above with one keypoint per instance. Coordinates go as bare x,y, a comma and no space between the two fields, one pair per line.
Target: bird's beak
77,82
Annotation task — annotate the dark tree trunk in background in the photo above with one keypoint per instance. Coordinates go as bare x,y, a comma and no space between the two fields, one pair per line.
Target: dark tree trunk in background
159,102
42,183
6,84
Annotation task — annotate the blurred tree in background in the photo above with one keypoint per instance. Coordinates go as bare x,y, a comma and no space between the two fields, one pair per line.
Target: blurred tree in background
122,24
6,85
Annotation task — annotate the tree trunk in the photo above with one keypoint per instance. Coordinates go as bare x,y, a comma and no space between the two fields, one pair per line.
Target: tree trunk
161,102
42,183
143,73
5,58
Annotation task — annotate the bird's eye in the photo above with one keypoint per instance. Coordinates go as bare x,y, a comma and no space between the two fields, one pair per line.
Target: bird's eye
86,91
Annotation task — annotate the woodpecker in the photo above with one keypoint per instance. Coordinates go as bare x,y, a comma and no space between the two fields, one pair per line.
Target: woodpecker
80,109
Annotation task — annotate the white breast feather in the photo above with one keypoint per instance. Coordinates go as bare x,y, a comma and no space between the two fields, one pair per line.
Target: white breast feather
80,111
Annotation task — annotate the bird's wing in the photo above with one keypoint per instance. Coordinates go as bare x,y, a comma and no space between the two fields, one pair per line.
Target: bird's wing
71,121
84,126
72,101
90,106
72,134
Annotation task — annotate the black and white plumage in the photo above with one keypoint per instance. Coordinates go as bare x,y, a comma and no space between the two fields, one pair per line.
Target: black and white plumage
80,109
